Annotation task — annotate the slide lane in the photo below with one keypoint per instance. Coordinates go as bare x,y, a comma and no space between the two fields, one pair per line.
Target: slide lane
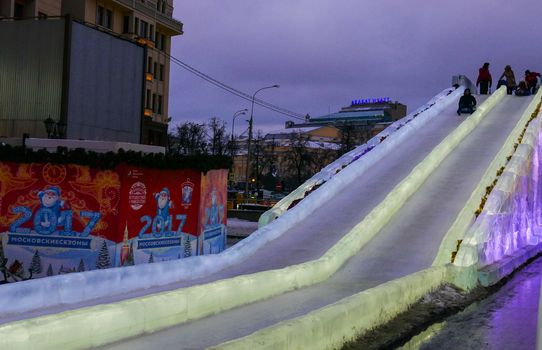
408,243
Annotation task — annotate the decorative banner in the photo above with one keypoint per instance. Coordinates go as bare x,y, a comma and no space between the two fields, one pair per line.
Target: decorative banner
159,212
55,219
212,212
61,218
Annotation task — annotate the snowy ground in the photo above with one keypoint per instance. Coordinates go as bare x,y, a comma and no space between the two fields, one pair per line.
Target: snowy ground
407,244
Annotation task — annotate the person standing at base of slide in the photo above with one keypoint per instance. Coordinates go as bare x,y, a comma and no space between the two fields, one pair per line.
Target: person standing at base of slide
508,74
484,79
467,103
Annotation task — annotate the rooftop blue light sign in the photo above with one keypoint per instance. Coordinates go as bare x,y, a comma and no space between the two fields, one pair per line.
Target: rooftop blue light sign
366,101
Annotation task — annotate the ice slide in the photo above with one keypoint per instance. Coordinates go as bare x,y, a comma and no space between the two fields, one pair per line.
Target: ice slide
76,290
407,244
425,218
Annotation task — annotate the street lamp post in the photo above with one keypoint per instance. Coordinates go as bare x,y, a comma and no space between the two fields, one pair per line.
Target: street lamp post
232,142
235,115
250,135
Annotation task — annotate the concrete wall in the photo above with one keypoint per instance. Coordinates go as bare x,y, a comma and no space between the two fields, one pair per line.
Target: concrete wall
30,75
106,77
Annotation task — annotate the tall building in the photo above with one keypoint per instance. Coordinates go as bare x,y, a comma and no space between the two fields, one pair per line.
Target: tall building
148,24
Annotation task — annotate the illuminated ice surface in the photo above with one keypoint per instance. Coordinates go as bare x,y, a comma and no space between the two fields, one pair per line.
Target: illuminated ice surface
407,244
505,320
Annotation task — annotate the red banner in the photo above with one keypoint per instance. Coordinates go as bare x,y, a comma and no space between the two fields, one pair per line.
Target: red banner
62,218
59,199
158,203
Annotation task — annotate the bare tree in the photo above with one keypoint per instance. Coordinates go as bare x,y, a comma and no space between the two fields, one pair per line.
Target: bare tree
299,158
188,138
351,136
218,143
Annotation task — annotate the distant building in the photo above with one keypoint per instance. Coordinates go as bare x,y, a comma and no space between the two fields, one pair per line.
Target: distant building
102,73
367,116
285,157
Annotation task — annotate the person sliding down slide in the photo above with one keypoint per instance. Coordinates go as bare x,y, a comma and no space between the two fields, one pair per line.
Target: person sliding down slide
467,103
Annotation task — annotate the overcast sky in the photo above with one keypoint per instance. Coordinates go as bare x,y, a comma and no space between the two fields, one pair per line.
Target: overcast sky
324,53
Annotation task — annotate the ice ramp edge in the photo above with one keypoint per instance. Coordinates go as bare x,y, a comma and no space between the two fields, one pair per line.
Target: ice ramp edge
466,217
76,288
413,120
112,322
334,325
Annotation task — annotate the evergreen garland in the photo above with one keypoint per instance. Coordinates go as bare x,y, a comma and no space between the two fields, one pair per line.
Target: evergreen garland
110,160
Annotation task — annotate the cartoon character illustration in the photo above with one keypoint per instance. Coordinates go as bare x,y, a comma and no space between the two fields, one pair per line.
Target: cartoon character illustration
50,201
214,213
187,195
163,204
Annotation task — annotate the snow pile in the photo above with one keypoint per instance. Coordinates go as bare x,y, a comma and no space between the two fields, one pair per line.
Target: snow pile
512,215
421,115
79,287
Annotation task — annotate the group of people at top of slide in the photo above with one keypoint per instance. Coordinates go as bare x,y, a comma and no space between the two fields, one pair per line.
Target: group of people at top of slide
526,87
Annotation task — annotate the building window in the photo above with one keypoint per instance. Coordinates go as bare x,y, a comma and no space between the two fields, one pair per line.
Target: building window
155,69
162,42
149,65
148,102
163,6
162,72
160,101
154,103
143,30
151,32
136,26
108,19
158,5
100,15
126,24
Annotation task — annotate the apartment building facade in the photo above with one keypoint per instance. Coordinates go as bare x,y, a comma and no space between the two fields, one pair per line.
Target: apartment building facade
149,23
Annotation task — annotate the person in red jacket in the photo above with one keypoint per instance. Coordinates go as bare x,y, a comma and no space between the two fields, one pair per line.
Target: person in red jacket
531,78
484,79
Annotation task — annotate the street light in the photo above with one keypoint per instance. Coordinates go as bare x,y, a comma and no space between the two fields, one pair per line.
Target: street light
235,115
250,134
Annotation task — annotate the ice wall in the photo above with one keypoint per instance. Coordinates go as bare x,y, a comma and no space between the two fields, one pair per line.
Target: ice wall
511,218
